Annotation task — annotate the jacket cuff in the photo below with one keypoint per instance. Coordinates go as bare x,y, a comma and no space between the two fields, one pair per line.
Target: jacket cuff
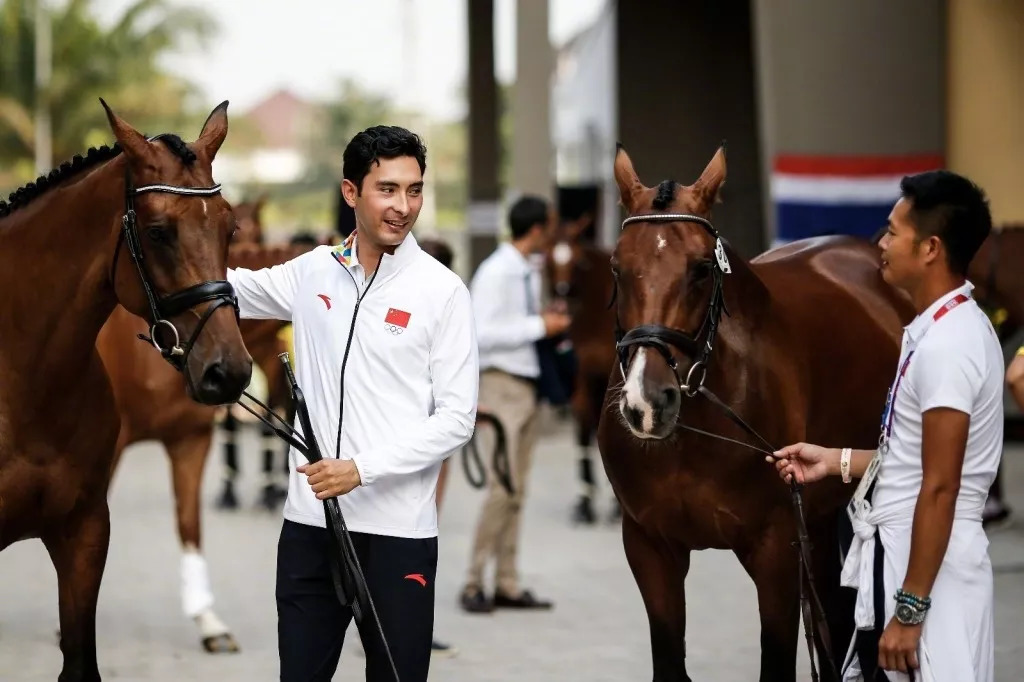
536,328
367,473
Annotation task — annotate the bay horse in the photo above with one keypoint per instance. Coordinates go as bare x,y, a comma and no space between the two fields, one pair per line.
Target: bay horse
800,342
578,273
153,405
140,224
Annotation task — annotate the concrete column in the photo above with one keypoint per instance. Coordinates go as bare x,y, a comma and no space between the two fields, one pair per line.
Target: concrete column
685,78
531,149
852,97
483,215
986,101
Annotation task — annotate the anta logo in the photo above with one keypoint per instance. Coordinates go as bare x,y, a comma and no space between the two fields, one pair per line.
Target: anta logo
418,577
396,320
326,299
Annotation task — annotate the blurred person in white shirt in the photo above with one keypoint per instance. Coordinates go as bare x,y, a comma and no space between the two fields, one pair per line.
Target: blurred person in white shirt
509,322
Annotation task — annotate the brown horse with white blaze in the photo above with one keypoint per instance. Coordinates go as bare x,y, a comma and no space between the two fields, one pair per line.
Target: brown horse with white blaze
800,342
152,202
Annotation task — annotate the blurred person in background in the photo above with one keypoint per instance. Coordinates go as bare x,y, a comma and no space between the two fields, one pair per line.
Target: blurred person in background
506,294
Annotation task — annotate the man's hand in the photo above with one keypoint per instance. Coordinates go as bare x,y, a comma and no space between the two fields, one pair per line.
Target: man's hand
897,649
555,322
331,477
808,463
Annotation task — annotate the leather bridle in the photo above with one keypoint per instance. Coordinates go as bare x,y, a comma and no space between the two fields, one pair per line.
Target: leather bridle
698,347
162,309
662,338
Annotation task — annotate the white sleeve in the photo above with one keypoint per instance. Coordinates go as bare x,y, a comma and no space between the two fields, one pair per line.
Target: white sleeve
455,378
268,293
497,327
946,376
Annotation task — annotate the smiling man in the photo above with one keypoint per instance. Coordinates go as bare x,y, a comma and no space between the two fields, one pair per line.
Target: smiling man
386,355
919,558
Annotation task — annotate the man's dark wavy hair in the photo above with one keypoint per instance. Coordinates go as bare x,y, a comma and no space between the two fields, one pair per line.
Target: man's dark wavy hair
952,208
380,142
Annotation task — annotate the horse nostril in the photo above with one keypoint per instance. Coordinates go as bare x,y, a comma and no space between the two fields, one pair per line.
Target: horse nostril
214,378
670,397
635,417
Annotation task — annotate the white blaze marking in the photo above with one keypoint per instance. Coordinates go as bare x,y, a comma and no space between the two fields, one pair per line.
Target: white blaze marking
562,253
633,391
661,242
204,207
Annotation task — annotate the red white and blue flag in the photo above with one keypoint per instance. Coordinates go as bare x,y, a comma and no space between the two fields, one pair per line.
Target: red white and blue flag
820,195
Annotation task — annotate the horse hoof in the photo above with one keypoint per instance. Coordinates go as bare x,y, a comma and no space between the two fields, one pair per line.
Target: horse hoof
272,497
221,644
584,512
227,499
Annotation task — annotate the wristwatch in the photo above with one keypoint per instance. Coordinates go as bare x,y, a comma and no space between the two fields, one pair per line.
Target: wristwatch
909,615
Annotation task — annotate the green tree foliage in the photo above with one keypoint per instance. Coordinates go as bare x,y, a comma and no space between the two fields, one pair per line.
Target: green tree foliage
119,62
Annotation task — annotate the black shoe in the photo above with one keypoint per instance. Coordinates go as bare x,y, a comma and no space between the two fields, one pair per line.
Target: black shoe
474,601
525,600
442,650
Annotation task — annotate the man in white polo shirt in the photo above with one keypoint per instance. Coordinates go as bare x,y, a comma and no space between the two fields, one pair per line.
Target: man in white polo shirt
388,363
919,558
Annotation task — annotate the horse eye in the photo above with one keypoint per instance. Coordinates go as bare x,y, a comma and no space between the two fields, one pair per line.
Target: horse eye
159,236
701,270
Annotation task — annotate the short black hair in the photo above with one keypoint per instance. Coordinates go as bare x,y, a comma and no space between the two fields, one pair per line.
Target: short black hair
380,142
952,208
526,212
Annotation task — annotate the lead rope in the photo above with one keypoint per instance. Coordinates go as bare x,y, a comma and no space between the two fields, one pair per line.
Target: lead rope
803,540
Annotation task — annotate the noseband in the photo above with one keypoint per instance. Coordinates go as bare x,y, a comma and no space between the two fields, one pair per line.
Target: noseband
219,292
698,347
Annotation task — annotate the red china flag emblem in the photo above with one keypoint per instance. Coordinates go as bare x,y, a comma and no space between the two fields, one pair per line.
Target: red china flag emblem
397,320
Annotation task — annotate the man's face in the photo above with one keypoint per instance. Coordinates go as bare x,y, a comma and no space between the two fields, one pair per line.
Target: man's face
545,235
390,201
904,256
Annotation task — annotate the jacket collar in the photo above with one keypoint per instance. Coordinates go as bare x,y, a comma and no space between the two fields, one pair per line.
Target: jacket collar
346,254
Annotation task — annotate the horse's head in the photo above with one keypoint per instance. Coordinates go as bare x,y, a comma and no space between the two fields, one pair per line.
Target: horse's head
562,258
174,238
247,219
669,266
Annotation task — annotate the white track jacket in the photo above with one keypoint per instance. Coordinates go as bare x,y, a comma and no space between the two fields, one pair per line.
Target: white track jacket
410,381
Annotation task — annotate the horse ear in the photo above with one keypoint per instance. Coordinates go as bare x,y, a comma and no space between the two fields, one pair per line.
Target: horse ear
134,144
710,182
214,131
626,178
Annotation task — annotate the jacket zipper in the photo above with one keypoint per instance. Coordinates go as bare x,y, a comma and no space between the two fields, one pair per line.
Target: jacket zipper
348,347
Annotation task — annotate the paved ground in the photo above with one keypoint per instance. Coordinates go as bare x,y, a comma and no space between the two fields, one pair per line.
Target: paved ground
598,630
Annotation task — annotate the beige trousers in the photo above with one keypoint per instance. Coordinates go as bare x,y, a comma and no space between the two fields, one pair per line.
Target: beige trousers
514,403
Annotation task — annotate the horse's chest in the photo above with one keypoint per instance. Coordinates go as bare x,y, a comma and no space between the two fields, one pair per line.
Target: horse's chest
689,509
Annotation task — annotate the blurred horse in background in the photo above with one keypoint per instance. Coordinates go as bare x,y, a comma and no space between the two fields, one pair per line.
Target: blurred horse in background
579,274
151,399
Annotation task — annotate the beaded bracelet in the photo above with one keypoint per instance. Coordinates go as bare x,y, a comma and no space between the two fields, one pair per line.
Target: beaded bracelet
903,597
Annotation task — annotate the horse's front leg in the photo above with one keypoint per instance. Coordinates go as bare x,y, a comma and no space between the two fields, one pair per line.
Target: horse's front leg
660,573
188,458
79,553
773,564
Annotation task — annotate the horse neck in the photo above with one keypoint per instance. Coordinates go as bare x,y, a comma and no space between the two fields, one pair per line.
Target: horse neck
733,362
55,259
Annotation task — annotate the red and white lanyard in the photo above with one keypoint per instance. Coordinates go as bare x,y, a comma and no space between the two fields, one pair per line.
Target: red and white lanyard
890,403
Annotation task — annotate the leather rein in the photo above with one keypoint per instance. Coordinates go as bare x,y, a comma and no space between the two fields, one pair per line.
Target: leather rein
699,347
